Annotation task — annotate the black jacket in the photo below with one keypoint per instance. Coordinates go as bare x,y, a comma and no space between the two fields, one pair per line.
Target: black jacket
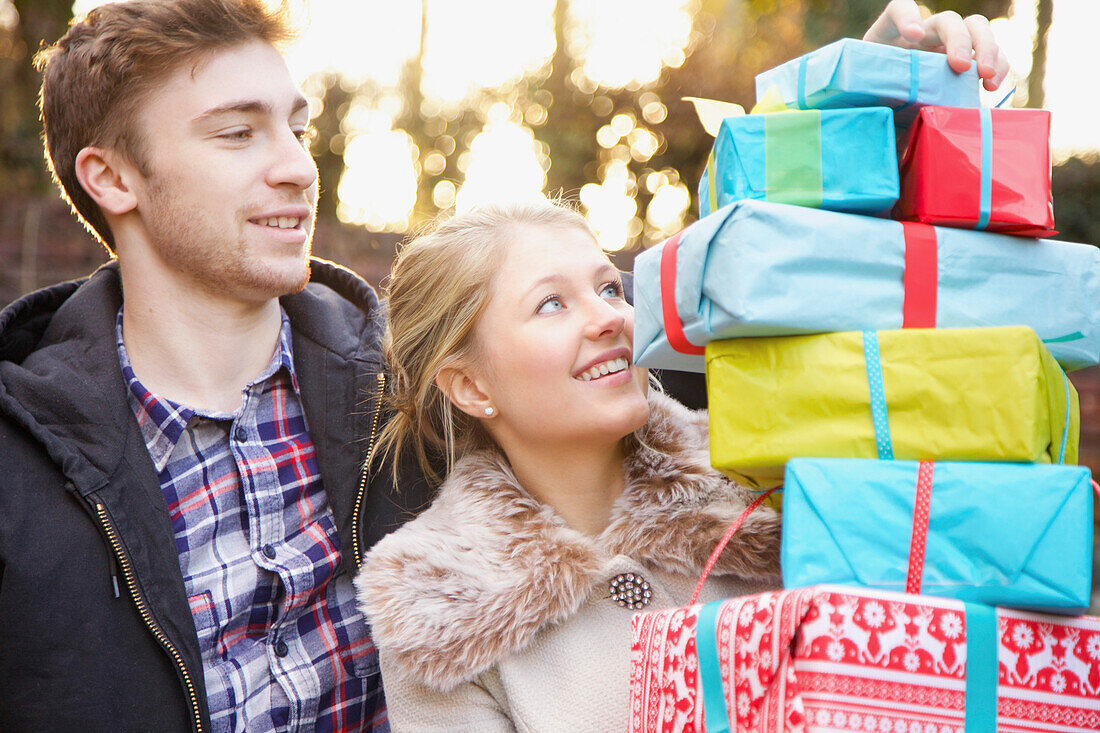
81,511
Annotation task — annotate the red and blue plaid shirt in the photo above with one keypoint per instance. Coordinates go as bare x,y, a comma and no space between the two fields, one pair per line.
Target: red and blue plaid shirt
283,646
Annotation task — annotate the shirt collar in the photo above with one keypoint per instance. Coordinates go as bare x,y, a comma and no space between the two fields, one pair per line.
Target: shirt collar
163,421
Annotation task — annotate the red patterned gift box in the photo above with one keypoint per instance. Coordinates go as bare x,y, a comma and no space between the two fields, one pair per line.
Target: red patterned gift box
832,658
979,169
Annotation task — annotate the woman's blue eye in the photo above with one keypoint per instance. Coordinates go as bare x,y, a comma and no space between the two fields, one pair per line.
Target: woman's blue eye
612,290
551,304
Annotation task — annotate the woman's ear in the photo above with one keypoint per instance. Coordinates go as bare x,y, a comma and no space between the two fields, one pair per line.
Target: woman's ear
104,176
464,392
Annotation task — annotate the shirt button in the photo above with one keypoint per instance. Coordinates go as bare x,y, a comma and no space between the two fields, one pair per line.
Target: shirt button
269,552
240,434
281,649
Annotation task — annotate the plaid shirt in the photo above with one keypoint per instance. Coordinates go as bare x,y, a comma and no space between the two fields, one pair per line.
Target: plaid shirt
283,646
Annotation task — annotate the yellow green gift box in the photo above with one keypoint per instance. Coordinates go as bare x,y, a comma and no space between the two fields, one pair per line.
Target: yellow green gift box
965,394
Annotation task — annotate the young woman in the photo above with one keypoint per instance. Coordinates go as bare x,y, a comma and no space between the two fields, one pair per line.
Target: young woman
576,493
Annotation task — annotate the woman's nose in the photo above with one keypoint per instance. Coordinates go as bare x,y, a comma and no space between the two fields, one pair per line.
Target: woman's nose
604,320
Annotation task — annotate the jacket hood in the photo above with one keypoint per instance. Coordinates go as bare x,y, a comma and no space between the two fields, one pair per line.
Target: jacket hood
59,374
477,575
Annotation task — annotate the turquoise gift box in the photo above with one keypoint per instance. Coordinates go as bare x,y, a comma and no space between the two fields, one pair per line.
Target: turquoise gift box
758,268
1003,534
851,73
840,160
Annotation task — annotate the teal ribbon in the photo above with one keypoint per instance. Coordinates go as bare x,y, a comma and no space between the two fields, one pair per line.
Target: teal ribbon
986,119
1075,336
873,362
715,712
981,668
914,76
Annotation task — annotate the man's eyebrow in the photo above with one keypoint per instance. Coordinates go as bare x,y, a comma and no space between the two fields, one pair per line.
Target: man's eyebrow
247,106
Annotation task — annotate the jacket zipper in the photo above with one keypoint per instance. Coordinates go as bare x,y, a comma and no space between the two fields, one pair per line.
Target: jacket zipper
129,577
364,475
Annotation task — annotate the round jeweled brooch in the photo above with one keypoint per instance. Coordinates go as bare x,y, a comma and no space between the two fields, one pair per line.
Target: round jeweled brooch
630,590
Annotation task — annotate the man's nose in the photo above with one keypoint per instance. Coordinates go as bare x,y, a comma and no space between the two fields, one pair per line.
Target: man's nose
292,162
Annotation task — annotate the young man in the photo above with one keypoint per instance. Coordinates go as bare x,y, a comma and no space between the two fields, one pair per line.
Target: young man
182,498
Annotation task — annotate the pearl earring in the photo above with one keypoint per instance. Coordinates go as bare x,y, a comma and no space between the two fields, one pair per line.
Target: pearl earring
489,411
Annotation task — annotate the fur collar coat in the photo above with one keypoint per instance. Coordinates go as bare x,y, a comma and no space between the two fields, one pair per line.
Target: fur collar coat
488,573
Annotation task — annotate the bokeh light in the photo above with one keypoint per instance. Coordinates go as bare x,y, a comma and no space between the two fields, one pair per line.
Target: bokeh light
378,188
481,44
610,207
363,41
505,164
626,43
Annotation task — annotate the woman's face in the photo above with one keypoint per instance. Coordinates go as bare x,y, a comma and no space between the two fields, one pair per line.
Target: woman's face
556,342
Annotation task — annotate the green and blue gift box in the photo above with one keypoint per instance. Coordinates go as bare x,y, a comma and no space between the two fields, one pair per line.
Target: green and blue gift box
840,160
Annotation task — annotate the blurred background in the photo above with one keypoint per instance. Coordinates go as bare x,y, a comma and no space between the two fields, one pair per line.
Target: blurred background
429,106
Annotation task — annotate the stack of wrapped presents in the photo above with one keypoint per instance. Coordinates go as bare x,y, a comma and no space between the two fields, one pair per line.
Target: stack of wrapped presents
885,334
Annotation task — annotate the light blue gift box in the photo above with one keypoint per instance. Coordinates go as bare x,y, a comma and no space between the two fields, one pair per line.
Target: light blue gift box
840,160
997,533
851,73
757,268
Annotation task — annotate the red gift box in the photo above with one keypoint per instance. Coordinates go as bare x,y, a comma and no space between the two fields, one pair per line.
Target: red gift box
979,169
832,658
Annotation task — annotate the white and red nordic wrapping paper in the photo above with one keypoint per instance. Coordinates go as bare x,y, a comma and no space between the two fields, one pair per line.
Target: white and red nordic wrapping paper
833,658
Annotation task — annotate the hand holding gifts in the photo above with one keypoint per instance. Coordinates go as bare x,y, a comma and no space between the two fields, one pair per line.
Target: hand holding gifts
851,73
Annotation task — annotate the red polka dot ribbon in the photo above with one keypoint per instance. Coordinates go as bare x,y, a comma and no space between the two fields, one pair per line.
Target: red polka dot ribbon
921,508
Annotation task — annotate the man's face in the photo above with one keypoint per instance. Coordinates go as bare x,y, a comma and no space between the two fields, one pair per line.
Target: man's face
229,202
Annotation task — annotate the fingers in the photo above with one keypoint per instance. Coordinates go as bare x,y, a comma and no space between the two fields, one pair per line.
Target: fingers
963,41
900,24
992,61
948,32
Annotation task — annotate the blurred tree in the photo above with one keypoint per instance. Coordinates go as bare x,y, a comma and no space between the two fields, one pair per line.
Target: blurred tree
23,25
1044,18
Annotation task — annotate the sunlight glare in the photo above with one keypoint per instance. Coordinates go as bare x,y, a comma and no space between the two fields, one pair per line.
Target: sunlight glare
378,188
627,42
505,164
1069,87
484,44
360,40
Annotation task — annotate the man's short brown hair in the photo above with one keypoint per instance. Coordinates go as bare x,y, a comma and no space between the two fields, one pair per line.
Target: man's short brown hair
97,75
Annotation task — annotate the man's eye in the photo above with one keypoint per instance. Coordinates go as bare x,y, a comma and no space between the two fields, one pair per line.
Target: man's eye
237,135
550,304
306,136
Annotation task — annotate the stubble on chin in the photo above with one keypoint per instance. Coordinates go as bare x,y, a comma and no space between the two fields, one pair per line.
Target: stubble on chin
218,260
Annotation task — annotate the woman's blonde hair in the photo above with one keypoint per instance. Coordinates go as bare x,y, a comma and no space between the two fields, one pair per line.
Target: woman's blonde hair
438,288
